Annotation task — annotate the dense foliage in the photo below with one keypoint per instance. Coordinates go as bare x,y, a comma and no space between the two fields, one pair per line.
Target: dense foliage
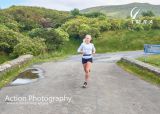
36,30
54,38
31,30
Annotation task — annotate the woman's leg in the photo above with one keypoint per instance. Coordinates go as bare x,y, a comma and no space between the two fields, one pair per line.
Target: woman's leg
87,70
84,67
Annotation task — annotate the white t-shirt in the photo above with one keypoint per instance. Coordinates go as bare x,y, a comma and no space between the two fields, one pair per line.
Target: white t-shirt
87,49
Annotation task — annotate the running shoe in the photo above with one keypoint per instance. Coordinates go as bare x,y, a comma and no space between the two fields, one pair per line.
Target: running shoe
85,84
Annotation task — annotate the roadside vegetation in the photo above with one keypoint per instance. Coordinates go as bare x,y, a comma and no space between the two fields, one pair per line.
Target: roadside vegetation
141,73
35,30
151,59
124,40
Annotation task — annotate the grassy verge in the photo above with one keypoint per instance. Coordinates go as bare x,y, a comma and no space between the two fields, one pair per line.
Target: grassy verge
71,46
124,40
141,73
151,59
8,76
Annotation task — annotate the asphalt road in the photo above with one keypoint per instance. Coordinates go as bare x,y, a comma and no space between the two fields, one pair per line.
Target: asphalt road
111,90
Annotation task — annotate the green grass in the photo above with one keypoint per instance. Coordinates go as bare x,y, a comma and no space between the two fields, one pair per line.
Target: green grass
8,76
71,46
151,59
120,40
124,40
141,73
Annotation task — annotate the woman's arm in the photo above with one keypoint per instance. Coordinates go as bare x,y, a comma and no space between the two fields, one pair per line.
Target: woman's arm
93,49
79,50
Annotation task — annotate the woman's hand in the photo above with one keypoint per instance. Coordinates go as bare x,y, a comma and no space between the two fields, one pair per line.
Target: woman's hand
81,52
93,53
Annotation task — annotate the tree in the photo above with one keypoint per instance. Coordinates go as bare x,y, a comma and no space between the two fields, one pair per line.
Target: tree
46,22
94,14
156,23
75,12
54,38
80,26
14,43
34,46
8,39
148,14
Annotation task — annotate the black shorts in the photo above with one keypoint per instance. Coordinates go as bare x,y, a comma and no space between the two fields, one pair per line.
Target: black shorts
86,60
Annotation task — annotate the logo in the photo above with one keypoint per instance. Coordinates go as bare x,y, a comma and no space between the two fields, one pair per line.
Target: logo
134,12
133,16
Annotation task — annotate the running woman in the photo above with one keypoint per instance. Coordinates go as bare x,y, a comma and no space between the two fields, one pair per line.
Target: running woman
87,49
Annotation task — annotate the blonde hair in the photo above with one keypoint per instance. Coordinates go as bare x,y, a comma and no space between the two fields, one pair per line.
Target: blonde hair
83,40
87,36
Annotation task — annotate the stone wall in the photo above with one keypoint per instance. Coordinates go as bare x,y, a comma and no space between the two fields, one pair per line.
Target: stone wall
16,62
142,65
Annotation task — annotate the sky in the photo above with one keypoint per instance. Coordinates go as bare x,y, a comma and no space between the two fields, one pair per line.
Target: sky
70,4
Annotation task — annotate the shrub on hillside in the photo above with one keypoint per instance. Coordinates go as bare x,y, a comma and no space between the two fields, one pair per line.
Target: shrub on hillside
104,25
115,24
138,27
54,38
8,39
86,29
80,26
62,34
16,44
94,15
156,23
34,46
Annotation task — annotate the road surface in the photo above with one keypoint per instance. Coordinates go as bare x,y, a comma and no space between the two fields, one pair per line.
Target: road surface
111,90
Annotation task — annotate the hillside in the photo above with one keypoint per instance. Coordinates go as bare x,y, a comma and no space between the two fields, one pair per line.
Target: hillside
30,30
36,30
122,11
28,15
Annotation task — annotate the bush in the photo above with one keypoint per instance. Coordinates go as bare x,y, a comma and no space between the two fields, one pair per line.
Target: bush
17,44
115,24
34,46
80,26
147,27
37,32
148,14
83,30
13,25
75,12
95,15
128,24
104,25
54,38
8,39
156,23
62,34
138,27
